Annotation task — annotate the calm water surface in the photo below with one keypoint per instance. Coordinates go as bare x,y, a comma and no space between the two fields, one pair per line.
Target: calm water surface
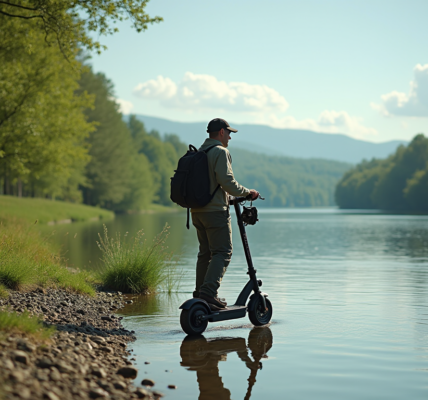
350,300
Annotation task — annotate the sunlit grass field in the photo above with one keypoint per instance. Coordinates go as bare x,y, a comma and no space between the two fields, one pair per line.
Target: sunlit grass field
27,259
48,211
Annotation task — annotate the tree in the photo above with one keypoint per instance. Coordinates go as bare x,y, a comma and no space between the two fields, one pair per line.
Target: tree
69,22
42,128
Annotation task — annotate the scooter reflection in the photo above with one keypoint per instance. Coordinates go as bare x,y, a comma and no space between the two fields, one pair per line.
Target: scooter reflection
202,355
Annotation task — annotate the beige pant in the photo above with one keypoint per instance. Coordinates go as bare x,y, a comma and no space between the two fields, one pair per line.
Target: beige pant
215,249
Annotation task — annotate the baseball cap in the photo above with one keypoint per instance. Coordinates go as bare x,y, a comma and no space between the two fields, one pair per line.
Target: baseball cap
218,123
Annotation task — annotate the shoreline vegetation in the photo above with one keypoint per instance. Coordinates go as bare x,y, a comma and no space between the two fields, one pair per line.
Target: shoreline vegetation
398,183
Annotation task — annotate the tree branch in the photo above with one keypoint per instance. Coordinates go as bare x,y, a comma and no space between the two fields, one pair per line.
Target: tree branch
18,6
20,16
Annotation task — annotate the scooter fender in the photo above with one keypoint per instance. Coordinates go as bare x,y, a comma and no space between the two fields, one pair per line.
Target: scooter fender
252,303
188,304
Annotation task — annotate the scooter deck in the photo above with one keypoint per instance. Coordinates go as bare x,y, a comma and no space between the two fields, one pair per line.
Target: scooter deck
230,312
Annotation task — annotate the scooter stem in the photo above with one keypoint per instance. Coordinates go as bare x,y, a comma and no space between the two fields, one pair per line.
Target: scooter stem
251,270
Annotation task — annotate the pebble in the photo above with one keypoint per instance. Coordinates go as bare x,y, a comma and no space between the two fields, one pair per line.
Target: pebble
172,387
148,382
128,372
86,357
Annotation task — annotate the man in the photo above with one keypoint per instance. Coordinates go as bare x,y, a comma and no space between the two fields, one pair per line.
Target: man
212,222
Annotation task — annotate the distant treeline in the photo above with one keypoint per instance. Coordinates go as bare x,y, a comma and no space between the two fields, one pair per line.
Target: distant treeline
286,181
398,183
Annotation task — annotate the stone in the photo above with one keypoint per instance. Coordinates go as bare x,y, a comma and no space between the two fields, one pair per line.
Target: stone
172,387
55,375
157,394
128,372
17,376
64,367
25,346
20,356
44,363
119,385
142,393
51,396
106,349
148,382
24,393
99,372
97,393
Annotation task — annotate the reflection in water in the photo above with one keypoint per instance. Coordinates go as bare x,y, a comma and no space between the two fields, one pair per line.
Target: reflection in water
202,355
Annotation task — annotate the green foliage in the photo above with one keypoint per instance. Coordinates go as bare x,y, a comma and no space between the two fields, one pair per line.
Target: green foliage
45,211
286,181
42,128
398,183
26,259
68,22
162,155
25,323
133,266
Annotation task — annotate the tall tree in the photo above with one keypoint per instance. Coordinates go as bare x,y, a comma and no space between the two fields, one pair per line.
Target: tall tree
42,128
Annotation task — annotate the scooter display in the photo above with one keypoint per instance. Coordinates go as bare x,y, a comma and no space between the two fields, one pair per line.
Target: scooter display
196,313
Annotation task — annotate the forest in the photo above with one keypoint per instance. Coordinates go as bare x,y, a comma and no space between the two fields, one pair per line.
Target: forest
287,181
397,183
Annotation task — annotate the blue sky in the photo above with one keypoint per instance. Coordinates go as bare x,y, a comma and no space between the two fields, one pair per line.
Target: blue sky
354,67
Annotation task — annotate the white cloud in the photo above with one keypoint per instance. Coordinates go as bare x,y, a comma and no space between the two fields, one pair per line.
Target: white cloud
254,103
125,107
414,104
329,121
206,92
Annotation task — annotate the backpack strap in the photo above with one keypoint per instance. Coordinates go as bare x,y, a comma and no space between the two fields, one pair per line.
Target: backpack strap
188,218
206,151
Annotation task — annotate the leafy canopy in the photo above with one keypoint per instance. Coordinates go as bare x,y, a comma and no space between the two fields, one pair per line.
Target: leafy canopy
68,22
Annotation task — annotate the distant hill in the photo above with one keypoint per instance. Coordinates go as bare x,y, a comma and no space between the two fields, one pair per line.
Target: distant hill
289,182
289,142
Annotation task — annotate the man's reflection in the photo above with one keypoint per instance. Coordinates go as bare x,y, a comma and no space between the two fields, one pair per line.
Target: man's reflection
202,355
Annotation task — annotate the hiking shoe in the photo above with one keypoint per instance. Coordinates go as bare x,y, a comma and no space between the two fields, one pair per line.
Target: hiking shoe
221,299
212,300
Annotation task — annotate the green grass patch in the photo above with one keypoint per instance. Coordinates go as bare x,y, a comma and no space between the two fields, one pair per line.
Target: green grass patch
24,323
27,259
131,265
4,293
48,211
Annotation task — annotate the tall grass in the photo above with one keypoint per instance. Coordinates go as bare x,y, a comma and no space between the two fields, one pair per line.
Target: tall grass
25,323
131,265
27,259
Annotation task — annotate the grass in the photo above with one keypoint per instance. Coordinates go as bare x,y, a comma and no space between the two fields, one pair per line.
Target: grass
28,260
48,211
24,323
130,265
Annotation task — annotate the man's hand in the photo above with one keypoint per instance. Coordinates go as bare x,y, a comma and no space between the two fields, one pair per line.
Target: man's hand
254,194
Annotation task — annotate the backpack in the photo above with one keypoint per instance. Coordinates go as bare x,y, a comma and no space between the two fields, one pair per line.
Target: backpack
190,185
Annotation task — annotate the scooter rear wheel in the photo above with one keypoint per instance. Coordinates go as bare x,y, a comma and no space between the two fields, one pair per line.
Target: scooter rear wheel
257,315
191,322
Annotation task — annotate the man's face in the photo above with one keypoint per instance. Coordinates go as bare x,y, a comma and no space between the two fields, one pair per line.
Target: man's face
225,137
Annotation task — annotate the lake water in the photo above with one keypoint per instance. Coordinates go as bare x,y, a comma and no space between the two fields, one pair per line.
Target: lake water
350,300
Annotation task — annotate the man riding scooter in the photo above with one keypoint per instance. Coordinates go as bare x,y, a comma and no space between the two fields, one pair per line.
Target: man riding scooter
212,222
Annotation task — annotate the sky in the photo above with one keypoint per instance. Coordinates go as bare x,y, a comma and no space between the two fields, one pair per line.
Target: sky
337,66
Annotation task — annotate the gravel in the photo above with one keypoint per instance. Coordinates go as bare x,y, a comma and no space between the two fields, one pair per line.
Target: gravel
87,358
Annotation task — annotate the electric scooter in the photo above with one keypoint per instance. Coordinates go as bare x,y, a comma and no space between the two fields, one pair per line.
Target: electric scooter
196,313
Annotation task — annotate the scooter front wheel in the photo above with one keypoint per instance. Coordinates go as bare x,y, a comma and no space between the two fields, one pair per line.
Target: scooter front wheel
191,320
258,316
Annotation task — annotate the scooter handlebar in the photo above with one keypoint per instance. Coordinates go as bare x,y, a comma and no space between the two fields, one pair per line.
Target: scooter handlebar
232,200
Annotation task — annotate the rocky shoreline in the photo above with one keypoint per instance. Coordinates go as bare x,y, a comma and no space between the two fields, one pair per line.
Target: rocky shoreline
87,357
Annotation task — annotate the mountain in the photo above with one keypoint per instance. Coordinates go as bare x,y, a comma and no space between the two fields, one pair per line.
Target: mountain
288,142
